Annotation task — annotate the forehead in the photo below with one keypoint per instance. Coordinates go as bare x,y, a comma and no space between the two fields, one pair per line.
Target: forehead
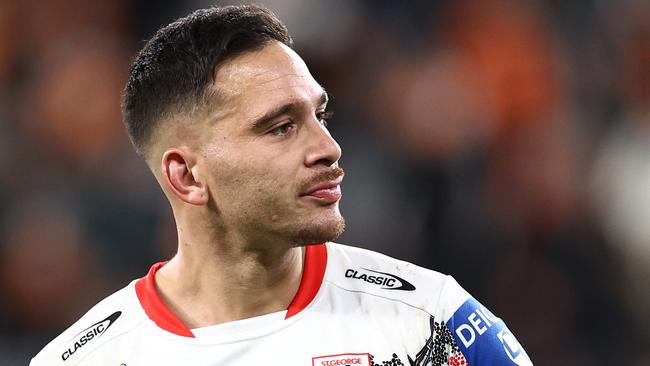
264,78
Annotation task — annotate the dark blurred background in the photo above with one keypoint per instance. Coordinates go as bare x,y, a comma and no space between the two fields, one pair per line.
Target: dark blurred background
504,142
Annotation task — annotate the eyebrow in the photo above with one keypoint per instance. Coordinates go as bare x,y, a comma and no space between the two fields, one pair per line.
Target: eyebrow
268,117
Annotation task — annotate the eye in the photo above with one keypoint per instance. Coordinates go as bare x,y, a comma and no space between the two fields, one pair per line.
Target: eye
323,117
283,129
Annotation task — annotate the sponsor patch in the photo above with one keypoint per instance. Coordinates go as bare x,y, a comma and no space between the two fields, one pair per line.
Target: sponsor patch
92,332
345,359
483,338
387,281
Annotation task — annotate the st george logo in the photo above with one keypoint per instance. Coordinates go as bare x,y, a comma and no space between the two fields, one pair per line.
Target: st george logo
94,331
344,359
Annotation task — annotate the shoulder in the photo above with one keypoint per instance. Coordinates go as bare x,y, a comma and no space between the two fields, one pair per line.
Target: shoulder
113,316
477,335
366,271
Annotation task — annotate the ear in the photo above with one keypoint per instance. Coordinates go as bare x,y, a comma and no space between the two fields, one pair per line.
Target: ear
179,171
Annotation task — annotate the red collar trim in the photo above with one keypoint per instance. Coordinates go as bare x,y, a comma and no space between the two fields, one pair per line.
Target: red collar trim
312,278
155,308
159,313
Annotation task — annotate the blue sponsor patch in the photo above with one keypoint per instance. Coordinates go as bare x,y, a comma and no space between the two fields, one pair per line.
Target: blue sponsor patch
483,338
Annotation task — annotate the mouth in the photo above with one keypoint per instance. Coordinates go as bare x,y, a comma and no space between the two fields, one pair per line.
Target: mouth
329,192
326,192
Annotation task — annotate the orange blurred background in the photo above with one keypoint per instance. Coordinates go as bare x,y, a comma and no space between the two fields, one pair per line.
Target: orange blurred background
504,142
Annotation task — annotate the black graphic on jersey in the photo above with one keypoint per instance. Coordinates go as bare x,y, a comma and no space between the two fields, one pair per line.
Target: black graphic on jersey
395,361
439,350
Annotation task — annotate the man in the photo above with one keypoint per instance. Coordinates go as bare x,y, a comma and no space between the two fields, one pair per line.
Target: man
232,124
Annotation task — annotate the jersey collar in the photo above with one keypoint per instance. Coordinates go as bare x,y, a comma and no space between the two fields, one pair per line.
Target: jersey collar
312,278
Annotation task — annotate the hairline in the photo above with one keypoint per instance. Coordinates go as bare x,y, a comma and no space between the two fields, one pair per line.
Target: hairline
210,99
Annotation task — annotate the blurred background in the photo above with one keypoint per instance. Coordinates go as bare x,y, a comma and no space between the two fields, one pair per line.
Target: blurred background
504,142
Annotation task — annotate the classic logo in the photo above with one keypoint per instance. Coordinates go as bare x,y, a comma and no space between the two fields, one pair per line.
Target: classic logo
345,359
94,331
386,280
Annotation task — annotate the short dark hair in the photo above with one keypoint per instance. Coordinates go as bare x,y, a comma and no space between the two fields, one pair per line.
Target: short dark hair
172,72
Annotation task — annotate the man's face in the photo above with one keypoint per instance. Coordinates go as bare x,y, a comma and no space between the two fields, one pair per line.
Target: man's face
270,164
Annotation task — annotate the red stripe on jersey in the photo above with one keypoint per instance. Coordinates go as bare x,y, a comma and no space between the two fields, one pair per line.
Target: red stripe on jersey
312,278
154,307
159,313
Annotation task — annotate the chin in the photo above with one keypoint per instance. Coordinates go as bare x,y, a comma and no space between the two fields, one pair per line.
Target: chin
320,231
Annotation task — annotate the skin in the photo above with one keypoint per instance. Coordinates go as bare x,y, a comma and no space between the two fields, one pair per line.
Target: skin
238,190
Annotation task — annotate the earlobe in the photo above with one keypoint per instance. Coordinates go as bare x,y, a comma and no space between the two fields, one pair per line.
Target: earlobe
180,173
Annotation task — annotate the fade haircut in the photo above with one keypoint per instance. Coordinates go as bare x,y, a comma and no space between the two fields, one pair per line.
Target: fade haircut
173,72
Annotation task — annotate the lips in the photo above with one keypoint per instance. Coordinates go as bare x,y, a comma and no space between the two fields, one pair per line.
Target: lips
324,187
328,191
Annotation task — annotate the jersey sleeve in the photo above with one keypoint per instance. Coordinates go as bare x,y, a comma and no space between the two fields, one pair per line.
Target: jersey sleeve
482,338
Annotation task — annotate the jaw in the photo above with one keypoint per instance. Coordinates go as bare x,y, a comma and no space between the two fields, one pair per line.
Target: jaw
269,221
326,224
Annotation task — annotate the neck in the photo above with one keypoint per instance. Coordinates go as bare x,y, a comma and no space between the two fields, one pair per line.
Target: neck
210,282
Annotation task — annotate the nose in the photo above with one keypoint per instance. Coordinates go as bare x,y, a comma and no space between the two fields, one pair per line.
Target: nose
322,148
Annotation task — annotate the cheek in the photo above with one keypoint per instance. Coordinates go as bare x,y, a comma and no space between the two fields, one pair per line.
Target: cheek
247,174
243,180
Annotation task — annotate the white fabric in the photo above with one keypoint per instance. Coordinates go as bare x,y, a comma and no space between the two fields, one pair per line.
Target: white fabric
351,321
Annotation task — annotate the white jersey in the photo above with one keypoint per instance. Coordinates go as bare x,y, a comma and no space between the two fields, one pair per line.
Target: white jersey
354,307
